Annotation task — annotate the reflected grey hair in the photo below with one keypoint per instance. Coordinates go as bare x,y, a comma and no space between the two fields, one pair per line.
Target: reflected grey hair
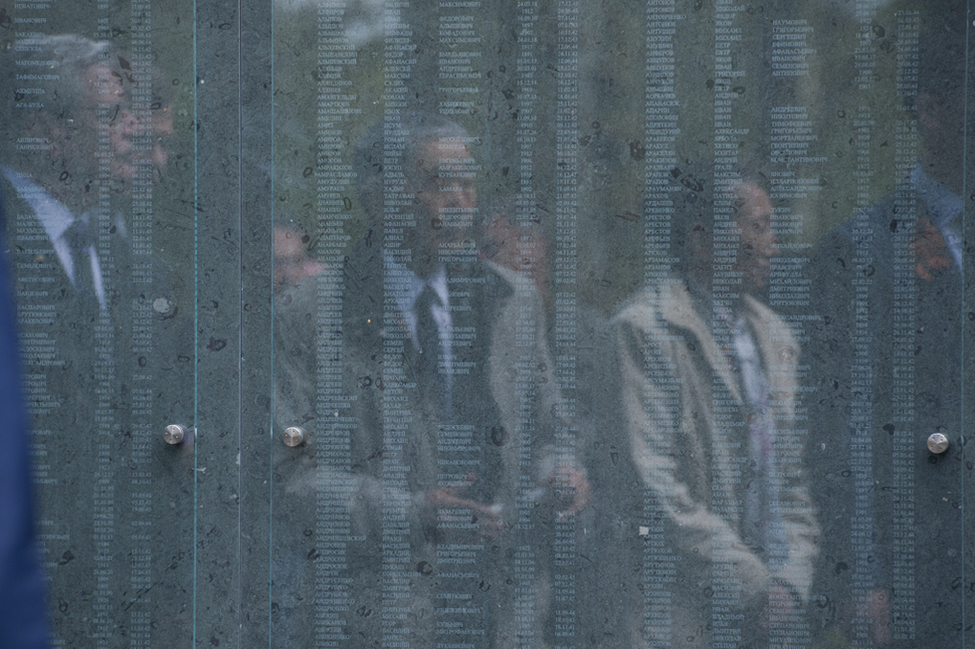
53,68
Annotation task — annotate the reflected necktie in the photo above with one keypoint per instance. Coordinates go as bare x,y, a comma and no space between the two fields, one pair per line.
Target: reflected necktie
80,241
431,373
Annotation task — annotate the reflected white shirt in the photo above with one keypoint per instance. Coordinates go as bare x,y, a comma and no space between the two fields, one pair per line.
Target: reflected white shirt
944,206
56,218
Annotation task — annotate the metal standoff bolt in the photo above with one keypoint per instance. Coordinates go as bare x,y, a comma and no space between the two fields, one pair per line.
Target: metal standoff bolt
938,443
174,434
294,436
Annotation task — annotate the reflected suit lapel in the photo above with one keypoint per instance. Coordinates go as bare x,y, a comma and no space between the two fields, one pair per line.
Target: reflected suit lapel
678,310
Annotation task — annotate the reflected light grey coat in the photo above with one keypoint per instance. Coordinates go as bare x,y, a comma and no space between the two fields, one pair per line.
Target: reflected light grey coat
689,449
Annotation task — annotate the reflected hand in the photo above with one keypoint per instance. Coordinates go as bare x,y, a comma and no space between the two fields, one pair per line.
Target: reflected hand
489,517
571,486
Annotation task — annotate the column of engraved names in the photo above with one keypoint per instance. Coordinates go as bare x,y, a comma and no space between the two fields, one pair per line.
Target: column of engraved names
527,553
794,176
903,390
38,275
862,379
790,50
463,566
462,563
106,425
526,132
728,464
38,349
139,229
459,58
333,187
862,523
396,412
793,179
566,306
529,248
661,114
524,567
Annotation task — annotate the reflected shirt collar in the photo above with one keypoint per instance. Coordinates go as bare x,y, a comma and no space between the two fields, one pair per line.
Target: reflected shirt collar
406,287
52,213
943,205
56,218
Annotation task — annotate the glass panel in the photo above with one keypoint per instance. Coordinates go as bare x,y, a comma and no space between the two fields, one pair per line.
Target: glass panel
596,324
97,184
619,324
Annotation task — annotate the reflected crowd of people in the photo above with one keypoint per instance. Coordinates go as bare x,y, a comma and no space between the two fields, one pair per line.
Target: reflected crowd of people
767,485
728,479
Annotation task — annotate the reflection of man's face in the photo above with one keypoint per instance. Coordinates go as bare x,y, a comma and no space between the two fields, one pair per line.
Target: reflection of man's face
443,181
106,131
291,261
103,119
757,242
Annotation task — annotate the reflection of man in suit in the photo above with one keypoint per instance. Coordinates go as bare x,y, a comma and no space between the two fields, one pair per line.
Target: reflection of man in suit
446,402
105,347
887,356
723,530
73,150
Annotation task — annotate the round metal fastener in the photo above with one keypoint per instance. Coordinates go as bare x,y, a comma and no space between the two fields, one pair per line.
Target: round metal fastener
294,436
938,443
174,434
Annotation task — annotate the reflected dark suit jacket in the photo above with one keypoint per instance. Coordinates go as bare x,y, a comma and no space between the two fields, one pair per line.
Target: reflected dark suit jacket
503,388
915,497
140,366
142,310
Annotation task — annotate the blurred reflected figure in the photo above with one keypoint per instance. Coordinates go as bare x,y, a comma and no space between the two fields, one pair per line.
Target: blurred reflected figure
518,246
720,541
75,152
23,610
440,442
75,147
292,264
888,361
107,349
